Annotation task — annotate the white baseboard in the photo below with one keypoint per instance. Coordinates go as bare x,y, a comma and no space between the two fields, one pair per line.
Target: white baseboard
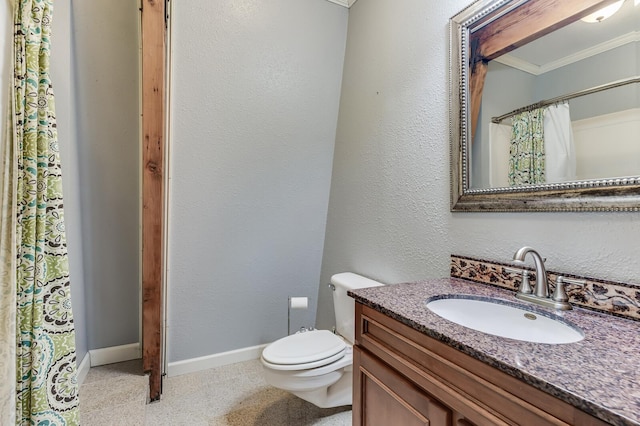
115,354
83,368
216,360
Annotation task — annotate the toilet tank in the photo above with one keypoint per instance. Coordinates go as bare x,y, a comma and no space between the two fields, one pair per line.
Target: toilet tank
344,305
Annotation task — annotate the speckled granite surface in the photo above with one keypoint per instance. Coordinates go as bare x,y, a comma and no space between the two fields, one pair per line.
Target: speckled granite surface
600,374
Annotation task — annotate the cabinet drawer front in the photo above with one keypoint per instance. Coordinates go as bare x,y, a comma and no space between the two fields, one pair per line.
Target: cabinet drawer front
483,394
389,398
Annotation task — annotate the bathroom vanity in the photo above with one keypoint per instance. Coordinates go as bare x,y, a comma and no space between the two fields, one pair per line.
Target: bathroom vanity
412,367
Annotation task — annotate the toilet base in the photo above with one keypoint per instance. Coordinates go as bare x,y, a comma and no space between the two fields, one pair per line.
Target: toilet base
332,389
336,395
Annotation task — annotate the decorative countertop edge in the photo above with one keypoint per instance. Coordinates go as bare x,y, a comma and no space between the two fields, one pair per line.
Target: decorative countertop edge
591,357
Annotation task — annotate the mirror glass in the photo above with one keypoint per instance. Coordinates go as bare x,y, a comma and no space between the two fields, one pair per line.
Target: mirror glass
585,136
545,106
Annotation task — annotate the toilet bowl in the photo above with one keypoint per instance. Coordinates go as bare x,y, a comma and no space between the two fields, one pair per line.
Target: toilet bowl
316,365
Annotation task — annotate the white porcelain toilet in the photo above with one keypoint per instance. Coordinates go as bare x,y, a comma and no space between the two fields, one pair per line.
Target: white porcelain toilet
316,365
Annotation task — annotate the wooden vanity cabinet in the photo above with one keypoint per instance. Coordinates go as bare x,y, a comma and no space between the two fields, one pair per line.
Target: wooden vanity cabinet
404,377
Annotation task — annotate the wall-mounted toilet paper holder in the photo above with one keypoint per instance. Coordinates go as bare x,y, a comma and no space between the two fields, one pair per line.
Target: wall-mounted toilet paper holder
295,303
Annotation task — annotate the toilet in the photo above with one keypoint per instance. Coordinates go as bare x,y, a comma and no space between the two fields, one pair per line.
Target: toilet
316,365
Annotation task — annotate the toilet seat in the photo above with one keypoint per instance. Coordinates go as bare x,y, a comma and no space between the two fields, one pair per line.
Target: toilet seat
306,350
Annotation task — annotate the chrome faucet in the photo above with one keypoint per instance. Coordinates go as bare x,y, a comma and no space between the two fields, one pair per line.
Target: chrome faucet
540,293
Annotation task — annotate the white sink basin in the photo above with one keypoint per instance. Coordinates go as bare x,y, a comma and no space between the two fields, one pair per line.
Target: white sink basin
493,317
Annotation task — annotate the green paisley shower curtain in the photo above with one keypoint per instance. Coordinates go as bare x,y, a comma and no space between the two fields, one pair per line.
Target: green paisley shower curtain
526,152
46,390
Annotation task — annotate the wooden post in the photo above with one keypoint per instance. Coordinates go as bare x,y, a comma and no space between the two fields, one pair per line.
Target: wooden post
153,116
479,69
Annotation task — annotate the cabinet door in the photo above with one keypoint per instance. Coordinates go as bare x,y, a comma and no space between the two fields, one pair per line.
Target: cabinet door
382,397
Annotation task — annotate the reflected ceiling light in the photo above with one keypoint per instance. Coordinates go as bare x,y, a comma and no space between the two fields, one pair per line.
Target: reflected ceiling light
604,13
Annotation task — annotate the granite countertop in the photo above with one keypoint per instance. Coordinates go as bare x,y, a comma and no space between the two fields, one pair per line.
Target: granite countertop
600,374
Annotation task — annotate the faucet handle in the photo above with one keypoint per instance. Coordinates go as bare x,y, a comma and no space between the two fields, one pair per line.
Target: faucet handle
559,294
525,287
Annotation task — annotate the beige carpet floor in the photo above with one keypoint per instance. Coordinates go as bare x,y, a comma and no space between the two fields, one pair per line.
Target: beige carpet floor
233,395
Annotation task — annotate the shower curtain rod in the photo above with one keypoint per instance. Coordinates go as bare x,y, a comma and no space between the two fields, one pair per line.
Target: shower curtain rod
562,98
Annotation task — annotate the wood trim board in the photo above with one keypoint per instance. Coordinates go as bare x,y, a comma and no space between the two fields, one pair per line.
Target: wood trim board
153,32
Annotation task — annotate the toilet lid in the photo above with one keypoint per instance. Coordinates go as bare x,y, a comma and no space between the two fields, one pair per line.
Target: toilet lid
303,348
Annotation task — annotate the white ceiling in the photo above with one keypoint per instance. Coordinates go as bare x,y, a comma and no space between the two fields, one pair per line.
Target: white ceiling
577,41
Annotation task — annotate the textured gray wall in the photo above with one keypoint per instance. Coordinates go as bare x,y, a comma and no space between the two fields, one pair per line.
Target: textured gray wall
105,71
256,87
62,79
389,215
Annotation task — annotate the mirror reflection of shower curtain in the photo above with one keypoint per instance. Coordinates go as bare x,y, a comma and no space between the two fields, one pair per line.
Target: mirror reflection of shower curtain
542,149
526,151
558,144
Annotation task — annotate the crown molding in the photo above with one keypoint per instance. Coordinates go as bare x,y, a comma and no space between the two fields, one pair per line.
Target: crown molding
534,69
519,64
345,3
